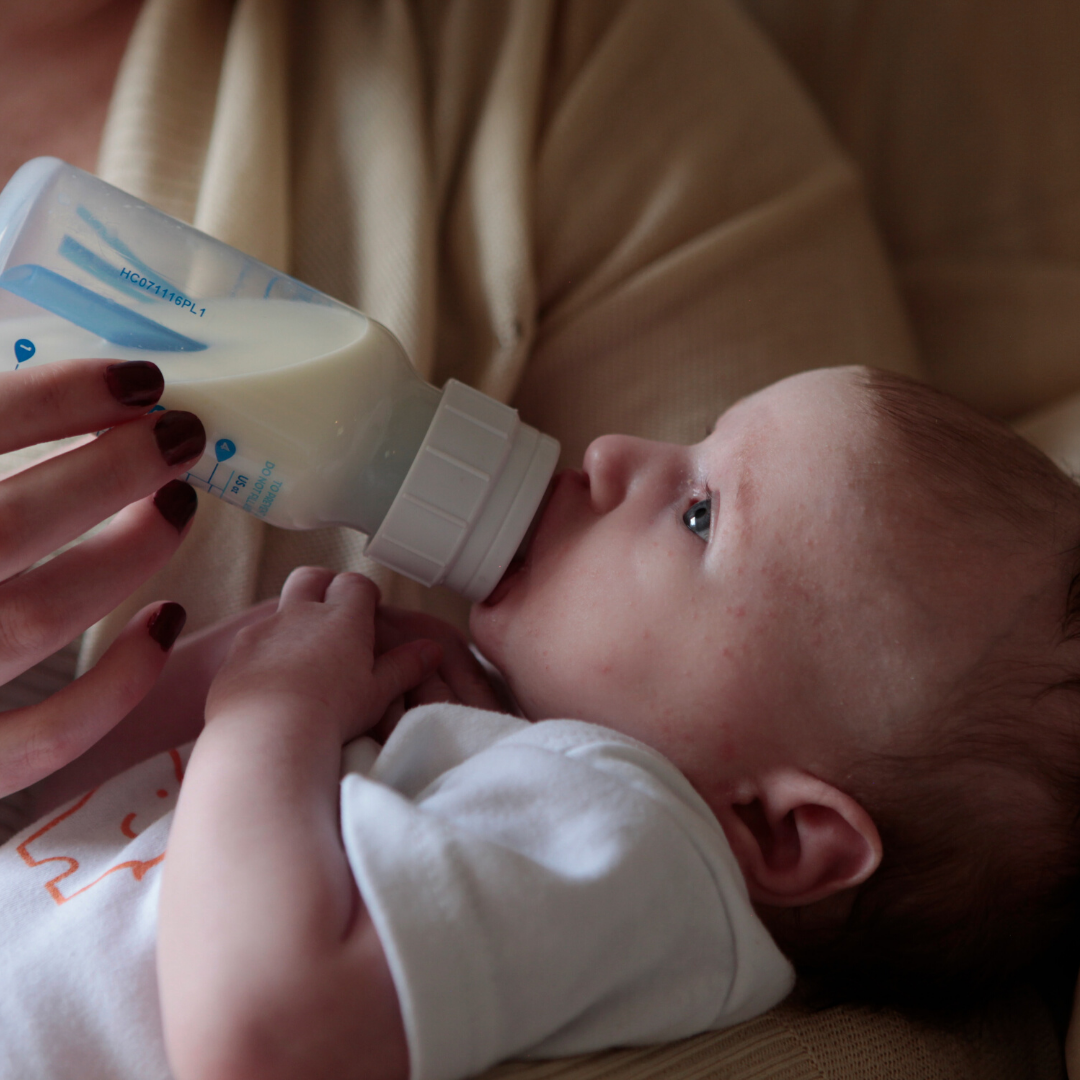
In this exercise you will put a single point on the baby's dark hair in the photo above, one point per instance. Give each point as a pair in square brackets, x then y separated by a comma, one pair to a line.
[980, 822]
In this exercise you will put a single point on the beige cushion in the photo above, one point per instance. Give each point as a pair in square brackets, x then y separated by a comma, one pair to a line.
[1009, 1040]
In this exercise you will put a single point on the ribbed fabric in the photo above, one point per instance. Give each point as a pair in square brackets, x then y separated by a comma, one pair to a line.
[615, 219]
[1011, 1038]
[964, 118]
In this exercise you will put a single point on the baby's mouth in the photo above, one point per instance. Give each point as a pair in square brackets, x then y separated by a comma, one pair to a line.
[521, 556]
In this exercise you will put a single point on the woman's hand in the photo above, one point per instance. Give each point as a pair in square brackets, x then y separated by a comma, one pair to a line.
[171, 714]
[55, 501]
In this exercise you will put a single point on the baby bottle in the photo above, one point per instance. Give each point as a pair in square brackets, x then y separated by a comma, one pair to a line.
[313, 413]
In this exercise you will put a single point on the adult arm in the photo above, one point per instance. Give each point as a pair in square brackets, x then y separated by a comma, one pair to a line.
[129, 471]
[269, 965]
[170, 715]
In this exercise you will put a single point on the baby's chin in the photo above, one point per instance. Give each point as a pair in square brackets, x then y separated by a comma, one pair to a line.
[489, 617]
[483, 628]
[497, 649]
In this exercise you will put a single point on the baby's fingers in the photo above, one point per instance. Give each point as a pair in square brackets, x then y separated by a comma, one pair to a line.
[306, 584]
[462, 678]
[39, 739]
[399, 671]
[432, 690]
[386, 723]
[427, 692]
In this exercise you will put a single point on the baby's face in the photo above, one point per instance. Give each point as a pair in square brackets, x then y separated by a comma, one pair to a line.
[732, 603]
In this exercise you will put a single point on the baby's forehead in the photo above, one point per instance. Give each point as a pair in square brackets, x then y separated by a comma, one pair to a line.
[818, 423]
[900, 483]
[928, 468]
[823, 397]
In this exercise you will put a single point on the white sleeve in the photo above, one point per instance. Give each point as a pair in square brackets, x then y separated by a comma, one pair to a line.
[563, 889]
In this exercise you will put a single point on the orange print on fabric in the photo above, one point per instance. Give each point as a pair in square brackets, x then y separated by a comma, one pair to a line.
[70, 864]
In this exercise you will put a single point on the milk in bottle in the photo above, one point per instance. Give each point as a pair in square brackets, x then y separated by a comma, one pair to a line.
[313, 414]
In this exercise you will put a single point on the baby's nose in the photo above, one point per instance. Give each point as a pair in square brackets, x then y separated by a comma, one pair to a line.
[610, 464]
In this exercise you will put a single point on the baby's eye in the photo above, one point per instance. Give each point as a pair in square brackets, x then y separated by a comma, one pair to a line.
[698, 519]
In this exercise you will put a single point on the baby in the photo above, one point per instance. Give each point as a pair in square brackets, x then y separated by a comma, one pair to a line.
[821, 668]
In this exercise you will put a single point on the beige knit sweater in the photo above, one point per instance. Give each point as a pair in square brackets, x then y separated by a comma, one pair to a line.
[617, 220]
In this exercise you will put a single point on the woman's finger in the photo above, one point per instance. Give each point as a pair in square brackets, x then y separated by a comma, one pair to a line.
[72, 397]
[51, 503]
[38, 740]
[170, 715]
[45, 608]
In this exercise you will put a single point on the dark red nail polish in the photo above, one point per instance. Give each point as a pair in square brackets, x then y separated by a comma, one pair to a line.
[180, 436]
[176, 502]
[136, 382]
[166, 623]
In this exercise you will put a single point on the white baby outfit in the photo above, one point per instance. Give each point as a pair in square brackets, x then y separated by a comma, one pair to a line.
[539, 889]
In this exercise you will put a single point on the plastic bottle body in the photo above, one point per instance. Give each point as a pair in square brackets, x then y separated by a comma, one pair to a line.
[327, 441]
[313, 412]
[300, 441]
[314, 415]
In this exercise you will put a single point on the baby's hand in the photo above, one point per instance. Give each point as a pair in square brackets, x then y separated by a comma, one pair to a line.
[459, 677]
[313, 661]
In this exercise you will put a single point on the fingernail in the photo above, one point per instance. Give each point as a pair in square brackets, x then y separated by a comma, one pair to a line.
[176, 501]
[166, 623]
[180, 436]
[135, 382]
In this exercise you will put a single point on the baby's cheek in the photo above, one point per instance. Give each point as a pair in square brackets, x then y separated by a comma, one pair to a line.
[620, 675]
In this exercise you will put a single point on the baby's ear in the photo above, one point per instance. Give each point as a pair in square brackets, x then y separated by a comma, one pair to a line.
[798, 839]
